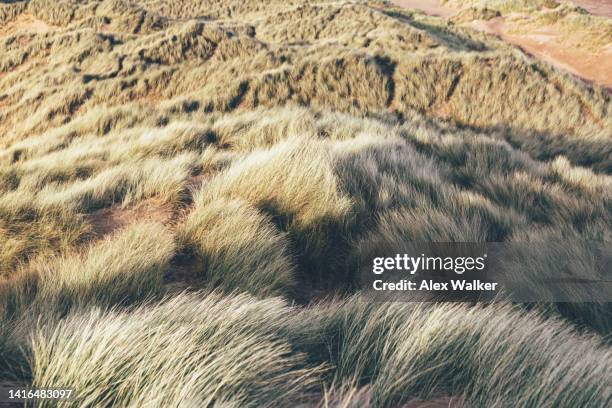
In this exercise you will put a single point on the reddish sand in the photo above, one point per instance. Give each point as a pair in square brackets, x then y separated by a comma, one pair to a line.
[547, 44]
[25, 23]
[597, 7]
[431, 7]
[544, 42]
[436, 8]
[108, 220]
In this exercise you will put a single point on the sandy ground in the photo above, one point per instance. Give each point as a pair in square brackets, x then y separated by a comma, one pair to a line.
[597, 7]
[431, 7]
[108, 220]
[25, 23]
[545, 43]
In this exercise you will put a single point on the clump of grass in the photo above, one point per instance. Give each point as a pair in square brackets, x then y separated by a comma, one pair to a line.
[295, 184]
[386, 173]
[475, 13]
[47, 193]
[386, 178]
[428, 225]
[27, 231]
[527, 190]
[235, 349]
[124, 183]
[238, 247]
[10, 10]
[126, 267]
[492, 356]
[189, 350]
[254, 130]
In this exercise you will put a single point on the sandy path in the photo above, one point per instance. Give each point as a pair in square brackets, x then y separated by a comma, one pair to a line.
[545, 42]
[597, 7]
[436, 8]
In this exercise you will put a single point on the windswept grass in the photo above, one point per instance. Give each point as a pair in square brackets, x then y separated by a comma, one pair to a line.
[231, 354]
[237, 350]
[493, 356]
[285, 140]
[238, 247]
[124, 268]
[305, 199]
[123, 184]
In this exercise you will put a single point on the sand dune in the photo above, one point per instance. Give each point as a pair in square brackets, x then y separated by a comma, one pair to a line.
[545, 42]
[188, 187]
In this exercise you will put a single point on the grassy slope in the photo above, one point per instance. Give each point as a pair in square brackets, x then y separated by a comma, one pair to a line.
[284, 137]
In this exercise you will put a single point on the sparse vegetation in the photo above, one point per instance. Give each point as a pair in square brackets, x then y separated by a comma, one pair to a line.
[284, 139]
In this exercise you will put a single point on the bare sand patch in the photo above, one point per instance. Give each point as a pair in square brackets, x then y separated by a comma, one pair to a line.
[25, 23]
[431, 7]
[544, 42]
[596, 7]
[108, 220]
[548, 44]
